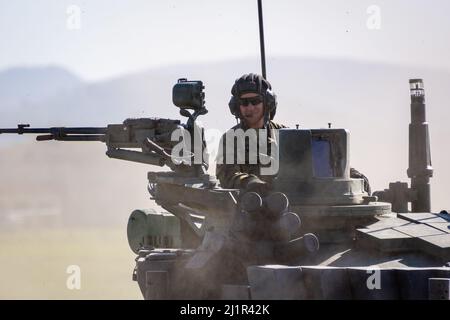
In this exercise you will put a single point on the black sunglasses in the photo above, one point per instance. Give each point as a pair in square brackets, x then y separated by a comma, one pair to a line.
[253, 100]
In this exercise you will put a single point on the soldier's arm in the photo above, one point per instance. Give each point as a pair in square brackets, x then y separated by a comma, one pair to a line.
[231, 176]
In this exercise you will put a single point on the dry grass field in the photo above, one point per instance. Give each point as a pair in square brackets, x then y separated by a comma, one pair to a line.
[33, 264]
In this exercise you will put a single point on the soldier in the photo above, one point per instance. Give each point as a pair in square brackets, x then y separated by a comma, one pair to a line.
[254, 104]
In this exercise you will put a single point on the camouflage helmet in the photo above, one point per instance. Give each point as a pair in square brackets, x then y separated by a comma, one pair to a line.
[253, 83]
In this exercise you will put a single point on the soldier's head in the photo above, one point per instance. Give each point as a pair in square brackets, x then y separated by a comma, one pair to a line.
[251, 109]
[252, 100]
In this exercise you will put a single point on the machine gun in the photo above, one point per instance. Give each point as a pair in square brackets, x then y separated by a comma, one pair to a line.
[157, 140]
[152, 135]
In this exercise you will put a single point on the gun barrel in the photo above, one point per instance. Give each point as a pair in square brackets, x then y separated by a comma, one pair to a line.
[72, 137]
[69, 130]
[61, 133]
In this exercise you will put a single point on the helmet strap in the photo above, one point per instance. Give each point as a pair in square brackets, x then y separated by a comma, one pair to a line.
[266, 111]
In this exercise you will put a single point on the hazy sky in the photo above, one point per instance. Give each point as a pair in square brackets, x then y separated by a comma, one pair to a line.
[111, 37]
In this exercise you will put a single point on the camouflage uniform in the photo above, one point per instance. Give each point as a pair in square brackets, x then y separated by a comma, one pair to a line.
[236, 176]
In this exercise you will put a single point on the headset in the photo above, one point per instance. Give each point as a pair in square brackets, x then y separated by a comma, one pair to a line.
[256, 84]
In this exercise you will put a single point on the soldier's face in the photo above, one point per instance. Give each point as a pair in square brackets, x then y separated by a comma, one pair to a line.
[252, 114]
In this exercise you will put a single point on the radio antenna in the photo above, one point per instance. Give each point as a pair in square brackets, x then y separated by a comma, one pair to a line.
[261, 39]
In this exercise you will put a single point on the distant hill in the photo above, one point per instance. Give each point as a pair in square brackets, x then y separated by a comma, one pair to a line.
[311, 92]
[35, 83]
[369, 99]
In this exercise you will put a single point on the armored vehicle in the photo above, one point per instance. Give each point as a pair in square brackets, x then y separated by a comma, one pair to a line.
[371, 246]
[316, 235]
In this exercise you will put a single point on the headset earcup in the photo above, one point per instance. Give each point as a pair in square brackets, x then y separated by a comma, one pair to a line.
[271, 100]
[233, 106]
[272, 114]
